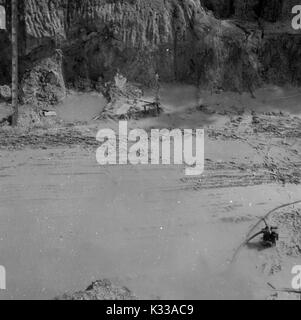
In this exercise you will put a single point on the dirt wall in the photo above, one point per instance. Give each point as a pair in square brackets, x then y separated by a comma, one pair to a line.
[183, 40]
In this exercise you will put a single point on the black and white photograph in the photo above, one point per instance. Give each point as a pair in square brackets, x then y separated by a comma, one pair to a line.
[150, 150]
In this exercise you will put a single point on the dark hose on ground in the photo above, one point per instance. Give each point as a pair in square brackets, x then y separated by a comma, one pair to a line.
[249, 237]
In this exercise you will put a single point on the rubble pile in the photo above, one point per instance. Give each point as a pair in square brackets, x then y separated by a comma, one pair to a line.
[126, 101]
[101, 290]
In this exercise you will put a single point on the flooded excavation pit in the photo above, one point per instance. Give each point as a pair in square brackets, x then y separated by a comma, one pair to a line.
[141, 145]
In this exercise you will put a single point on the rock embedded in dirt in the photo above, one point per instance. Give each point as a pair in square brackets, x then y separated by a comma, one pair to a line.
[5, 93]
[44, 83]
[183, 40]
[101, 290]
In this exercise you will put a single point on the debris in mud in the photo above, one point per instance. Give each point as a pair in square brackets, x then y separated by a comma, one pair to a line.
[6, 112]
[206, 109]
[284, 293]
[47, 113]
[289, 246]
[270, 236]
[7, 121]
[290, 224]
[43, 84]
[126, 101]
[272, 262]
[101, 290]
[285, 173]
[278, 124]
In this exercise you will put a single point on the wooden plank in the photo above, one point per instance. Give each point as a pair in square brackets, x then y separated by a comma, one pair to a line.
[15, 80]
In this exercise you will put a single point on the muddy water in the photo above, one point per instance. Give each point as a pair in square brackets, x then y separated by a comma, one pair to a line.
[178, 97]
[270, 98]
[81, 106]
[66, 221]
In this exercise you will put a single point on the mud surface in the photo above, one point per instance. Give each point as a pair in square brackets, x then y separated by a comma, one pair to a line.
[67, 222]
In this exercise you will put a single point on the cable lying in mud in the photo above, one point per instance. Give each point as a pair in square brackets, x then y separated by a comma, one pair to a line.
[263, 219]
[286, 290]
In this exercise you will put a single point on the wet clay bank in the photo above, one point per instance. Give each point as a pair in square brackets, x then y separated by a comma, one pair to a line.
[229, 45]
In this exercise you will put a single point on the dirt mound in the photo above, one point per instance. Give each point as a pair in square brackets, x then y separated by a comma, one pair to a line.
[101, 290]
